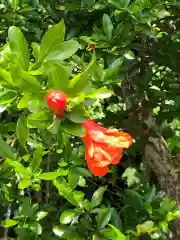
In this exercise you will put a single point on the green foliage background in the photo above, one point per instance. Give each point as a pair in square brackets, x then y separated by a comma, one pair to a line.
[46, 190]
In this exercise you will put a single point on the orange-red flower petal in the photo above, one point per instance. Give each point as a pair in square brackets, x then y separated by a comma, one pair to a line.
[103, 147]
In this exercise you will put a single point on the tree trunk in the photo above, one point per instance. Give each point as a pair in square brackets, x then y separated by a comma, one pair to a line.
[159, 159]
[156, 155]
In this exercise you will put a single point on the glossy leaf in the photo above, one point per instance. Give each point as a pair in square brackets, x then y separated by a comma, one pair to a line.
[52, 175]
[20, 169]
[36, 51]
[25, 81]
[35, 227]
[58, 78]
[19, 46]
[79, 197]
[73, 177]
[5, 78]
[6, 98]
[119, 3]
[39, 120]
[73, 128]
[83, 172]
[5, 150]
[107, 26]
[97, 197]
[54, 128]
[24, 183]
[41, 215]
[65, 232]
[23, 103]
[52, 38]
[67, 216]
[37, 158]
[115, 218]
[77, 114]
[81, 81]
[100, 93]
[77, 100]
[103, 218]
[65, 191]
[22, 130]
[36, 103]
[9, 223]
[63, 51]
[146, 227]
[119, 235]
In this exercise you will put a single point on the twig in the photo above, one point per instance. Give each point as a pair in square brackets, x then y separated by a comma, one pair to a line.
[47, 182]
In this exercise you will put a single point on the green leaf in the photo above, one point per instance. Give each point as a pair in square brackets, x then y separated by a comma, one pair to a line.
[14, 3]
[120, 236]
[37, 158]
[36, 51]
[22, 130]
[65, 191]
[24, 183]
[39, 120]
[5, 78]
[107, 26]
[6, 98]
[25, 81]
[27, 209]
[73, 177]
[99, 93]
[58, 77]
[131, 175]
[129, 55]
[63, 51]
[115, 219]
[112, 69]
[77, 114]
[81, 81]
[65, 232]
[52, 38]
[175, 214]
[36, 103]
[54, 128]
[109, 234]
[52, 175]
[83, 172]
[20, 169]
[119, 3]
[18, 46]
[41, 215]
[146, 227]
[35, 227]
[9, 223]
[79, 197]
[67, 216]
[5, 150]
[77, 100]
[103, 218]
[73, 128]
[23, 103]
[97, 197]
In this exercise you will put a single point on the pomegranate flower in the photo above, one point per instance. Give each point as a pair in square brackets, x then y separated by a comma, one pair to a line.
[103, 146]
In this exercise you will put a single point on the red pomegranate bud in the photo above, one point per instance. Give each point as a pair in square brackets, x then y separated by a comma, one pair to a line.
[146, 132]
[59, 114]
[56, 100]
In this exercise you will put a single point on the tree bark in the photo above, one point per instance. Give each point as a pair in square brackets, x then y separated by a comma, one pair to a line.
[156, 155]
[159, 159]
